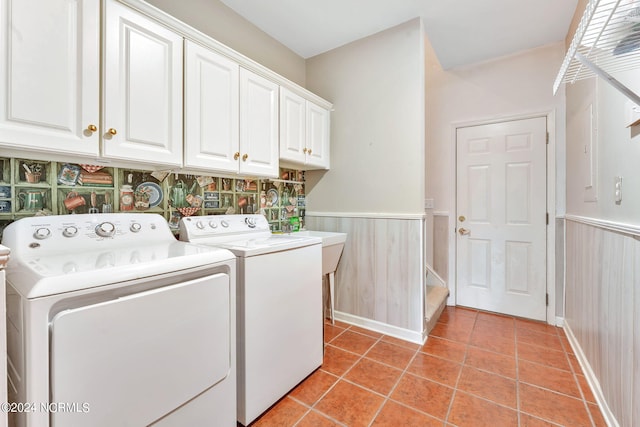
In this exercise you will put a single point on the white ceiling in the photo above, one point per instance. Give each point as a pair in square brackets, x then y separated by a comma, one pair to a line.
[460, 31]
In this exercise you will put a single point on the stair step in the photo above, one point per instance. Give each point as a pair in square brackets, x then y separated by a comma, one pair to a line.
[436, 302]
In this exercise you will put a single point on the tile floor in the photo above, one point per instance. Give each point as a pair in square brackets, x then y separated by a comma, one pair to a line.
[476, 369]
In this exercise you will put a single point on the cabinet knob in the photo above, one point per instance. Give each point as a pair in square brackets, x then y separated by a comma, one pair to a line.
[112, 131]
[309, 151]
[245, 157]
[92, 128]
[305, 150]
[236, 156]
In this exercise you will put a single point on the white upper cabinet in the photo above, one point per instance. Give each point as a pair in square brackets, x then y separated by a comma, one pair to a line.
[318, 155]
[304, 132]
[211, 110]
[293, 118]
[258, 125]
[142, 81]
[49, 75]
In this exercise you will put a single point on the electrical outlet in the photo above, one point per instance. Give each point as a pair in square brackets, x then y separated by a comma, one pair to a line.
[618, 189]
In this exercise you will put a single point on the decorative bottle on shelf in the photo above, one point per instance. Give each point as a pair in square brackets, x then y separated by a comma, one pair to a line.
[263, 199]
[126, 198]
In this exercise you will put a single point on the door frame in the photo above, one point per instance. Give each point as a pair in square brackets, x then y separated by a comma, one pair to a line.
[550, 116]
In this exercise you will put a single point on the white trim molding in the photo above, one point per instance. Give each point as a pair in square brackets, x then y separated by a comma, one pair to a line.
[594, 384]
[383, 328]
[367, 215]
[619, 227]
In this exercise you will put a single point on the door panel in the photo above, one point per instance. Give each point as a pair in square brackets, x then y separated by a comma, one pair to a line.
[501, 212]
[134, 359]
[142, 88]
[49, 75]
[211, 110]
[258, 125]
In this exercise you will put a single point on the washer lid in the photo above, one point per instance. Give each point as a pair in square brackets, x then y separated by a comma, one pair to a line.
[38, 276]
[273, 243]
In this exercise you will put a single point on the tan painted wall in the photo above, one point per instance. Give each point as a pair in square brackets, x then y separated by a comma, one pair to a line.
[377, 126]
[214, 18]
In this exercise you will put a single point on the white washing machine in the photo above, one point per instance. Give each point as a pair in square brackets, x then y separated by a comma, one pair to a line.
[113, 322]
[279, 305]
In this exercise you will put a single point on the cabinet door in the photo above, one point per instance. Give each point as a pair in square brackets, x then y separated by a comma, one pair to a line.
[317, 136]
[211, 137]
[258, 125]
[142, 89]
[49, 75]
[292, 126]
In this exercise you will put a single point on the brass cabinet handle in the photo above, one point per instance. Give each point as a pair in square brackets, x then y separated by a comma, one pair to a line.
[236, 156]
[245, 157]
[309, 151]
[305, 150]
[463, 231]
[112, 131]
[92, 128]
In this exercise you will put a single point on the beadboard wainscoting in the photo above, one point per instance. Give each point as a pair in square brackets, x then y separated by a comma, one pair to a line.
[380, 281]
[602, 312]
[441, 244]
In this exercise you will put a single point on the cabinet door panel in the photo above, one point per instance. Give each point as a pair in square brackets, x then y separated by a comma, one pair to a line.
[211, 110]
[292, 126]
[317, 136]
[49, 75]
[258, 125]
[142, 89]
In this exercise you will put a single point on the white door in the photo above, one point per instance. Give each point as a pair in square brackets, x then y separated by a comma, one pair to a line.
[317, 136]
[211, 110]
[501, 217]
[49, 75]
[258, 125]
[142, 89]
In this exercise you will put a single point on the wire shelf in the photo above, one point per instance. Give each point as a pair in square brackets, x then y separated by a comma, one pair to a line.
[608, 36]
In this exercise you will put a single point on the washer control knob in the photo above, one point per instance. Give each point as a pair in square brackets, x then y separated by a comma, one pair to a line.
[70, 231]
[106, 229]
[135, 227]
[42, 233]
[224, 223]
[250, 221]
[213, 224]
[200, 225]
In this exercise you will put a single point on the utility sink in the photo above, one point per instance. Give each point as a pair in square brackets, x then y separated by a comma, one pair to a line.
[332, 246]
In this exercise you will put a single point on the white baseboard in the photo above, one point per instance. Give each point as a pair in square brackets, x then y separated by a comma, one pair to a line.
[383, 328]
[594, 384]
[559, 321]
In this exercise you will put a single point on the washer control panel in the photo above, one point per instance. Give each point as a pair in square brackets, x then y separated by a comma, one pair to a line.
[223, 227]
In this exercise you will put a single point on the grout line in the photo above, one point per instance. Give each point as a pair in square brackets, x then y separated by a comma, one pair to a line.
[393, 388]
[464, 359]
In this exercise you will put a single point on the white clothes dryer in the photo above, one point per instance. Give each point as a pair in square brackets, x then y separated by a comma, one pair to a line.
[113, 322]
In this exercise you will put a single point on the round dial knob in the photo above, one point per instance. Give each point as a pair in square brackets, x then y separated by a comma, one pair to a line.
[200, 225]
[70, 231]
[135, 227]
[42, 233]
[250, 221]
[213, 224]
[224, 223]
[106, 229]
